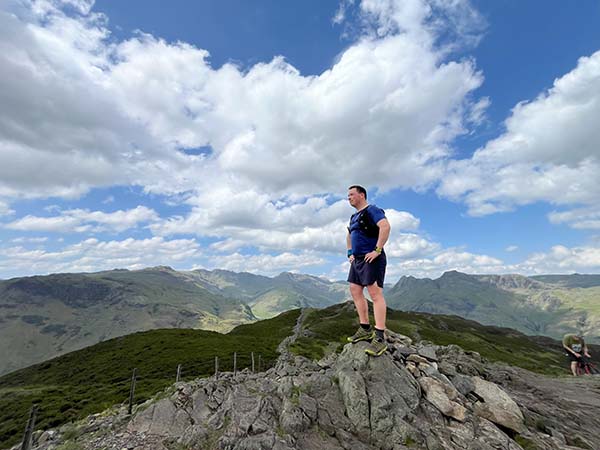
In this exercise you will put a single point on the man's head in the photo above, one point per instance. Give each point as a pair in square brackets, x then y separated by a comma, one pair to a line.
[357, 196]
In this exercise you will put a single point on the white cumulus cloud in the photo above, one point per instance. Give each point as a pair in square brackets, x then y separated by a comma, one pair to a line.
[549, 152]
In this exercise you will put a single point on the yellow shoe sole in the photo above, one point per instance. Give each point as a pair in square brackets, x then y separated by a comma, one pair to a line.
[365, 338]
[379, 353]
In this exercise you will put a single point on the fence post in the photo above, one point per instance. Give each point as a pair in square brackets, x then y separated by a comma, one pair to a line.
[29, 428]
[178, 373]
[252, 362]
[216, 366]
[132, 391]
[234, 363]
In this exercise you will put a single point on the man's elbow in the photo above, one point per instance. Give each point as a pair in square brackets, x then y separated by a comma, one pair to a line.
[385, 228]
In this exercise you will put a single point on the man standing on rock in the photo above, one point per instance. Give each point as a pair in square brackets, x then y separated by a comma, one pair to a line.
[367, 234]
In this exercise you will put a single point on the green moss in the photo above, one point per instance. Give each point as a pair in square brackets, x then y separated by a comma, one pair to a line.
[409, 442]
[69, 445]
[295, 395]
[526, 444]
[71, 432]
[578, 442]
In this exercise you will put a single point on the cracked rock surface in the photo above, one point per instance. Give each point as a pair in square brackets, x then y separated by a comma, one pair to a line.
[417, 396]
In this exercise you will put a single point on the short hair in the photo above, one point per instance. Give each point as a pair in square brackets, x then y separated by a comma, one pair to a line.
[360, 189]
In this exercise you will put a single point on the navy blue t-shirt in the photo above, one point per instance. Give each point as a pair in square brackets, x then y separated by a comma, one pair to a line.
[361, 243]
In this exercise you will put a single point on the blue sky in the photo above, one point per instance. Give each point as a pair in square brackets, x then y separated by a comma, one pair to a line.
[224, 134]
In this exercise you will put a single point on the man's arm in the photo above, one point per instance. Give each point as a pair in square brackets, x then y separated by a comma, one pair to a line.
[569, 349]
[384, 232]
[349, 246]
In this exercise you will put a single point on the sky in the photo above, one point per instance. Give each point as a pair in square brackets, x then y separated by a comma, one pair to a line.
[224, 134]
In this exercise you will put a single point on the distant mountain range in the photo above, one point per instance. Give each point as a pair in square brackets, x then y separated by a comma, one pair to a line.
[46, 316]
[269, 297]
[549, 305]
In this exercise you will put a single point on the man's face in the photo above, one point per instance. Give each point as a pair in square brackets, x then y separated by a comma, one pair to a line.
[354, 197]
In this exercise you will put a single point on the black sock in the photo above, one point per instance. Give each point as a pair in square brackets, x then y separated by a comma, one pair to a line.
[379, 334]
[365, 326]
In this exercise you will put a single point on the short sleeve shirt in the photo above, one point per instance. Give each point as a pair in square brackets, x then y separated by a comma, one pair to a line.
[575, 345]
[361, 243]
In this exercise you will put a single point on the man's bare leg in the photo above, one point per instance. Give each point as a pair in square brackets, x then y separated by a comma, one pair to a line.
[379, 306]
[360, 302]
[574, 368]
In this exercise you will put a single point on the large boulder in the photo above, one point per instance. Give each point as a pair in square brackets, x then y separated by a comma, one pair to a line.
[378, 394]
[442, 396]
[497, 406]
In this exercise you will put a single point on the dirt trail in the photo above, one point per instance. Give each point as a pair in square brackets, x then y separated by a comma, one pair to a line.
[283, 348]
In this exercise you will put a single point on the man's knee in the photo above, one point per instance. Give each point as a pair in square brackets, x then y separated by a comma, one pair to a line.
[356, 289]
[375, 292]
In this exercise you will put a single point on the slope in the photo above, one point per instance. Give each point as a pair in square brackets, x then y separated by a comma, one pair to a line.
[45, 316]
[90, 380]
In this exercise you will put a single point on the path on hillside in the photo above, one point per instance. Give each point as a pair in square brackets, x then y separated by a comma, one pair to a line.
[283, 348]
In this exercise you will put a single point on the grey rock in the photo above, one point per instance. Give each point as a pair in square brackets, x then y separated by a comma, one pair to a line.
[428, 369]
[497, 406]
[416, 358]
[447, 368]
[463, 384]
[46, 437]
[162, 418]
[404, 351]
[413, 369]
[428, 352]
[442, 396]
[490, 436]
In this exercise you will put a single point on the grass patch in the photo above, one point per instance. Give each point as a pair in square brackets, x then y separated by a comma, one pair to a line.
[526, 444]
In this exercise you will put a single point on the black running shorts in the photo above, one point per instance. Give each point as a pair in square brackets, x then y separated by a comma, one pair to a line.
[365, 274]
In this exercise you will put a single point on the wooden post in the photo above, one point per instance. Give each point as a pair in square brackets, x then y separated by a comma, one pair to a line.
[216, 366]
[178, 373]
[252, 362]
[29, 429]
[259, 359]
[234, 363]
[132, 391]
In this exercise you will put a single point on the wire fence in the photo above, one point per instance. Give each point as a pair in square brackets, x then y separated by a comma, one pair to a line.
[251, 363]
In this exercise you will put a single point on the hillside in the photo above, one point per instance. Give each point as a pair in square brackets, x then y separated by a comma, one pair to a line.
[545, 305]
[90, 380]
[45, 316]
[422, 394]
[94, 378]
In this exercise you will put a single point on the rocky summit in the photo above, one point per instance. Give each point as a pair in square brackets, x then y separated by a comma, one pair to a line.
[415, 396]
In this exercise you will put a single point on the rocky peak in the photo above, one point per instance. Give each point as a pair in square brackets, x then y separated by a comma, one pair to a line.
[511, 281]
[161, 269]
[417, 395]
